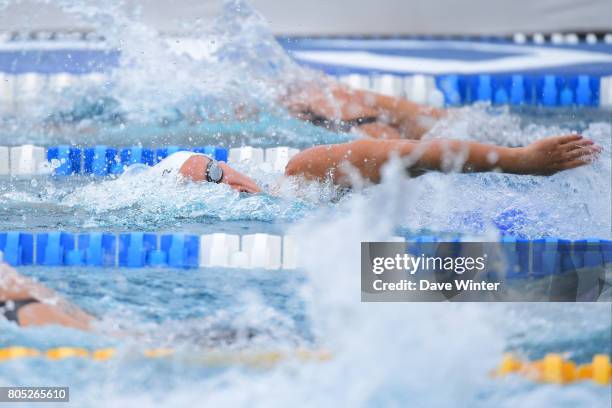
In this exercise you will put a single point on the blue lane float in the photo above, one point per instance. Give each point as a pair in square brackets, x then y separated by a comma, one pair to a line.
[584, 91]
[550, 256]
[452, 88]
[17, 248]
[523, 259]
[518, 89]
[501, 91]
[98, 160]
[137, 155]
[161, 154]
[484, 88]
[98, 248]
[134, 249]
[65, 160]
[516, 251]
[218, 153]
[52, 247]
[518, 93]
[182, 250]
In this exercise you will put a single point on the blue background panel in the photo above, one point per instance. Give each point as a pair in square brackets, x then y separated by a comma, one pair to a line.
[17, 248]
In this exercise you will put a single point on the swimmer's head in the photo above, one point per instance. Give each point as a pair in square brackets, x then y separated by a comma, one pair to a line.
[203, 168]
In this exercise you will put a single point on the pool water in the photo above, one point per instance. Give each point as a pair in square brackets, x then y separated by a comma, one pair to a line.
[383, 354]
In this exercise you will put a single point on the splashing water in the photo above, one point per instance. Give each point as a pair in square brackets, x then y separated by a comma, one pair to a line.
[572, 204]
[384, 354]
[240, 73]
[428, 354]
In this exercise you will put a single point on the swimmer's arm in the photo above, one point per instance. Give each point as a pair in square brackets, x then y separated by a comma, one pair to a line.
[369, 156]
[411, 119]
[399, 109]
[52, 309]
[401, 117]
[546, 156]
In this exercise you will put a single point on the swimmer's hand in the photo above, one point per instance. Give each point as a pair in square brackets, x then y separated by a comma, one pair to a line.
[557, 153]
[238, 181]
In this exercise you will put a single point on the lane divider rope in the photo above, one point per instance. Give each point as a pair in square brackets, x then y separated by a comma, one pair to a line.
[497, 89]
[28, 160]
[453, 89]
[523, 258]
[553, 368]
[208, 358]
[22, 77]
[92, 37]
[139, 249]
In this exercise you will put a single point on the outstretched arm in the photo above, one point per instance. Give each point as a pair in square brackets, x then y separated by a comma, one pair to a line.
[50, 308]
[546, 156]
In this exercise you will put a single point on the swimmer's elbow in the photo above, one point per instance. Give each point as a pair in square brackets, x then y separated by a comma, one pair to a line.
[310, 164]
[293, 168]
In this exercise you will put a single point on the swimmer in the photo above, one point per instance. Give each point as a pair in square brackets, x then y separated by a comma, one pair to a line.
[339, 162]
[28, 303]
[393, 127]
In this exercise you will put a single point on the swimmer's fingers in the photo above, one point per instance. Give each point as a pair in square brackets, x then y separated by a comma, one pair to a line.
[584, 152]
[242, 184]
[579, 144]
[569, 138]
[249, 188]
